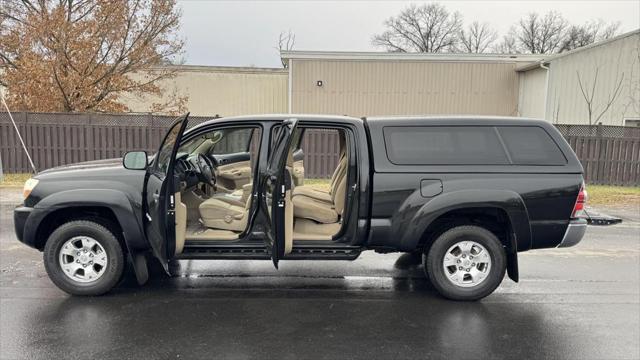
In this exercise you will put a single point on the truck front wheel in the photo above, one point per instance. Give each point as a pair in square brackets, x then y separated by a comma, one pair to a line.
[83, 258]
[466, 263]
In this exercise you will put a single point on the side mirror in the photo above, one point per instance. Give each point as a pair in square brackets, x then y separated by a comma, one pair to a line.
[135, 160]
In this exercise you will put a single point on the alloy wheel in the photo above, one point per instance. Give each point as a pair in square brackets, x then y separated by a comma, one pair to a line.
[83, 259]
[467, 264]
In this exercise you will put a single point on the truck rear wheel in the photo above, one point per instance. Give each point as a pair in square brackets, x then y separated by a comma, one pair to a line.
[466, 263]
[83, 258]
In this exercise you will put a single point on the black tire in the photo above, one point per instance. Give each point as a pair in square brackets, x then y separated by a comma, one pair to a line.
[433, 263]
[115, 258]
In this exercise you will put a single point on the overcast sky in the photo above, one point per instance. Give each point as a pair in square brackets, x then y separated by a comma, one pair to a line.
[245, 33]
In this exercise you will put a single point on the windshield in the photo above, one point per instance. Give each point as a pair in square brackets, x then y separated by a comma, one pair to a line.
[201, 143]
[191, 145]
[218, 142]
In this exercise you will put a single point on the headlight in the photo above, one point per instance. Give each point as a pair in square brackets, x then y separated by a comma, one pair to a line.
[29, 185]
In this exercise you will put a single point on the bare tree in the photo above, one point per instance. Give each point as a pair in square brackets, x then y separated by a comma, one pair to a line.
[477, 38]
[286, 42]
[541, 35]
[581, 35]
[508, 44]
[429, 28]
[592, 109]
[81, 55]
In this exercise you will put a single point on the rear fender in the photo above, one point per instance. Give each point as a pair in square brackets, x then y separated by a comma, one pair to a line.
[509, 201]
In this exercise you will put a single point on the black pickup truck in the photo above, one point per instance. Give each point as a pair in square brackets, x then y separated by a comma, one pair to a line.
[466, 194]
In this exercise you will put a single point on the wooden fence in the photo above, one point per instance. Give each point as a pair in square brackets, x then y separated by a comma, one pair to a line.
[609, 154]
[55, 139]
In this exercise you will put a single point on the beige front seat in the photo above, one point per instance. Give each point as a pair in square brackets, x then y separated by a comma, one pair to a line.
[237, 198]
[219, 214]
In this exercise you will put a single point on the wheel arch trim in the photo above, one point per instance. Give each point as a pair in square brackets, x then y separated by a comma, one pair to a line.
[116, 201]
[508, 201]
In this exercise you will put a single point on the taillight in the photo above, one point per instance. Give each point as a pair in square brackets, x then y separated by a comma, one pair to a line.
[581, 201]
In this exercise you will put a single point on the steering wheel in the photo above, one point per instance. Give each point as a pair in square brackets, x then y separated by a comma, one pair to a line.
[206, 169]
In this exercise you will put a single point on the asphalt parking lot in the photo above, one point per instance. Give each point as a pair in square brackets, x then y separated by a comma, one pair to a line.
[575, 303]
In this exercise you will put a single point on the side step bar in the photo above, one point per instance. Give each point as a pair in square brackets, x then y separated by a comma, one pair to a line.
[258, 252]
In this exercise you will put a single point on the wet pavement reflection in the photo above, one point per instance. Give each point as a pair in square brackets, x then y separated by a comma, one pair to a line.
[576, 303]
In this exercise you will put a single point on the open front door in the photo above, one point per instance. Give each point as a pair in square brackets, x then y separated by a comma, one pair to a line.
[158, 195]
[276, 194]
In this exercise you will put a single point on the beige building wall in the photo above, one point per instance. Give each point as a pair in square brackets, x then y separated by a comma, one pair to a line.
[611, 61]
[224, 91]
[532, 93]
[388, 87]
[368, 84]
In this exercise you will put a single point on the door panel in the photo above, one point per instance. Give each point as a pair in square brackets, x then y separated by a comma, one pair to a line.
[159, 196]
[288, 219]
[233, 176]
[224, 159]
[233, 170]
[276, 184]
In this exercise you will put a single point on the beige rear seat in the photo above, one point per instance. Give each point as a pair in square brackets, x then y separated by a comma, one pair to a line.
[322, 211]
[326, 196]
[305, 229]
[323, 195]
[318, 213]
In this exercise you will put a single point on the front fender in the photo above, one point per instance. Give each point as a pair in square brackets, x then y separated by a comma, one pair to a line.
[506, 200]
[126, 211]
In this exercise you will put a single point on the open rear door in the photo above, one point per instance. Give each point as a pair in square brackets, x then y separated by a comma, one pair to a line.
[276, 196]
[158, 196]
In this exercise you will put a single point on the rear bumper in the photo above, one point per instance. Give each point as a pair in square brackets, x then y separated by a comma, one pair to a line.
[574, 233]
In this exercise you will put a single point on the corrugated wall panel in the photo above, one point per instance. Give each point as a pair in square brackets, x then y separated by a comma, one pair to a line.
[230, 92]
[366, 88]
[532, 93]
[612, 61]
